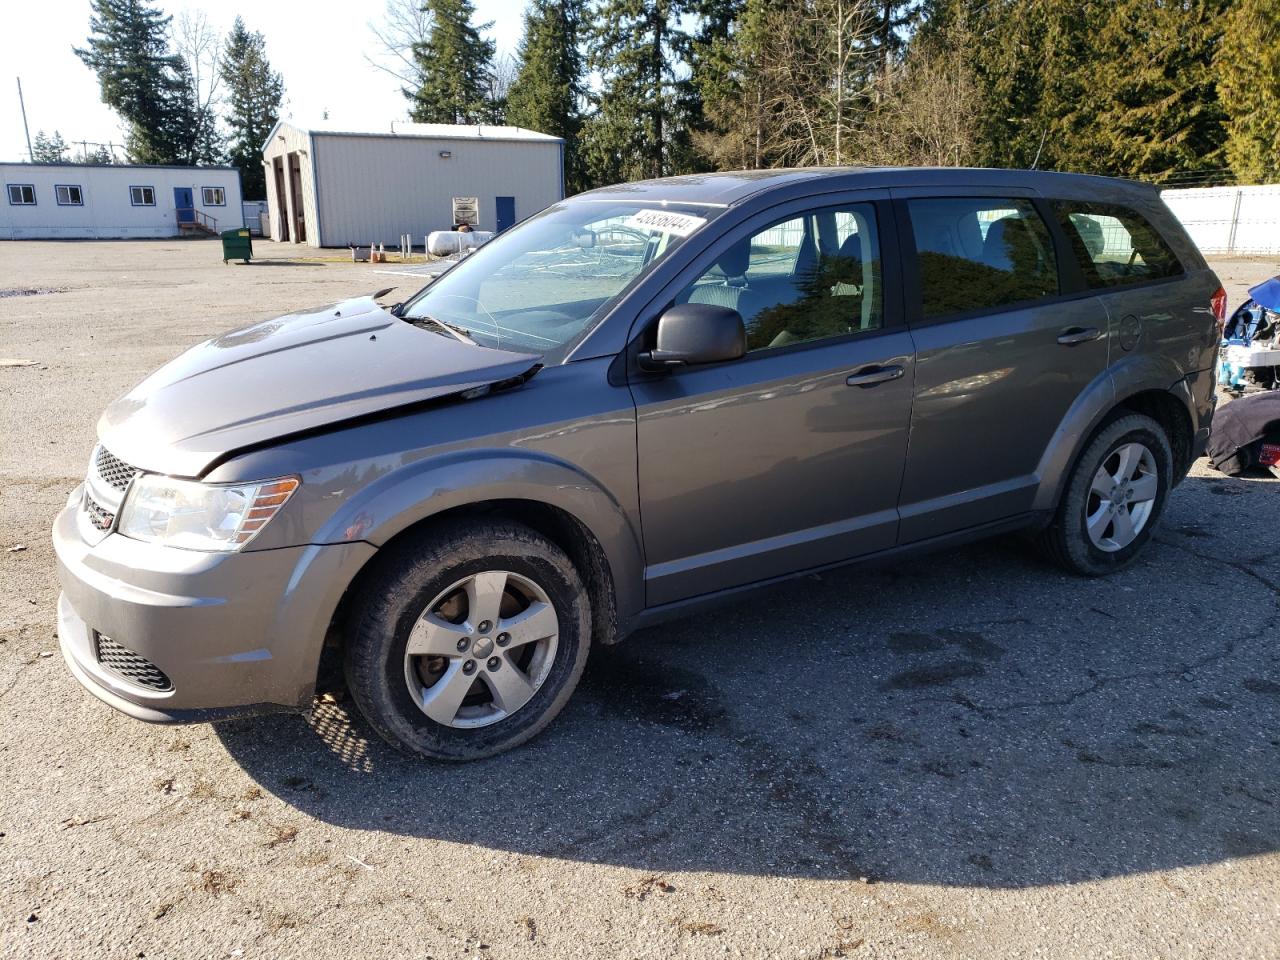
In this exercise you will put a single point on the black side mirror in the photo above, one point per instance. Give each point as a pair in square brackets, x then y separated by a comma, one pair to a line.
[691, 333]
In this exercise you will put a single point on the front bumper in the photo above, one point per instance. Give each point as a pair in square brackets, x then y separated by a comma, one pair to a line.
[235, 633]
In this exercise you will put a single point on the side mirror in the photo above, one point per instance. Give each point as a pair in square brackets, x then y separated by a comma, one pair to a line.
[691, 333]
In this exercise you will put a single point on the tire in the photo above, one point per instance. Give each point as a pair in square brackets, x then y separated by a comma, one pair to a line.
[1106, 547]
[434, 592]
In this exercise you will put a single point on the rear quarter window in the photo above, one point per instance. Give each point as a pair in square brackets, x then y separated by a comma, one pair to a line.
[1115, 246]
[980, 254]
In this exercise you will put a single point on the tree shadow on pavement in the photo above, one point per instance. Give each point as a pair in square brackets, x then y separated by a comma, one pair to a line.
[972, 718]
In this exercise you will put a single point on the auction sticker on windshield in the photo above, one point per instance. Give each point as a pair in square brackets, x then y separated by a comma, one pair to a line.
[664, 221]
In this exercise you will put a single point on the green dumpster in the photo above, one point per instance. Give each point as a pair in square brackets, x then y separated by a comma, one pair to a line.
[237, 245]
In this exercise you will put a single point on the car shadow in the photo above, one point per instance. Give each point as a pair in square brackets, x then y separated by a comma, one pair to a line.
[972, 718]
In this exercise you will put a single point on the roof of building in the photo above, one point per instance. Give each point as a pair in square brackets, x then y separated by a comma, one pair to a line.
[110, 166]
[421, 131]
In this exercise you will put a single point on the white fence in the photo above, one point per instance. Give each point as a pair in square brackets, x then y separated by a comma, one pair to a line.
[1243, 221]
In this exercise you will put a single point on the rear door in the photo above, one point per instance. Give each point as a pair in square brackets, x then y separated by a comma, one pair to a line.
[1155, 306]
[1005, 344]
[790, 457]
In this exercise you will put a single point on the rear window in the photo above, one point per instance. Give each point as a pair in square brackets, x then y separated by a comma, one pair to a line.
[981, 254]
[1116, 246]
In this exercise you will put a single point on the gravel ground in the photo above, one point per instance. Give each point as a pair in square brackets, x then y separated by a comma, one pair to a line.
[968, 755]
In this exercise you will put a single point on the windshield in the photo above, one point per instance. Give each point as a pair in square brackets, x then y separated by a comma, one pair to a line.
[540, 287]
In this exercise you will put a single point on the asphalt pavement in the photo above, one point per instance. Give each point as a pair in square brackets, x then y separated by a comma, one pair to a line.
[970, 754]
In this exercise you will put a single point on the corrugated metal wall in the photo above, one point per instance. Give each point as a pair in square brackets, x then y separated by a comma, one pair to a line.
[1243, 221]
[107, 211]
[373, 189]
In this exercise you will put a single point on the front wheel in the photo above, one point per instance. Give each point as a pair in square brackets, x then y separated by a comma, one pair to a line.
[1113, 499]
[467, 642]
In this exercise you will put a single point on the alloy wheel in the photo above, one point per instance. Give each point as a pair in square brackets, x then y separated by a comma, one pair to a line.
[481, 649]
[1121, 497]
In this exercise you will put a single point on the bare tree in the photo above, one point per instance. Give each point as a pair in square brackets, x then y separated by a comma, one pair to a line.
[928, 112]
[819, 67]
[405, 24]
[201, 46]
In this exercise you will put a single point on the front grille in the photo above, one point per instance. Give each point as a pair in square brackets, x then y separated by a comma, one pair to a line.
[114, 471]
[99, 516]
[133, 667]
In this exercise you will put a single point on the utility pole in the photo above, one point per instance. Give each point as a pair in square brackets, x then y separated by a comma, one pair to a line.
[23, 103]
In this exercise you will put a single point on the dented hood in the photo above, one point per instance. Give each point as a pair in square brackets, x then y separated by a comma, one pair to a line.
[295, 373]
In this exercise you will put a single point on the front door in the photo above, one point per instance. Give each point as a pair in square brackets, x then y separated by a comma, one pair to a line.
[184, 202]
[506, 212]
[1002, 353]
[790, 457]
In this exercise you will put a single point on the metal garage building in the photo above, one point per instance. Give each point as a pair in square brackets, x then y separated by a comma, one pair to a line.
[333, 187]
[96, 201]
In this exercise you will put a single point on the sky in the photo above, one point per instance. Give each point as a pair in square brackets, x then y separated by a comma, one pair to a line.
[318, 45]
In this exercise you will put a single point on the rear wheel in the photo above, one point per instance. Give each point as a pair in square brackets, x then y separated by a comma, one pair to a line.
[469, 642]
[1113, 499]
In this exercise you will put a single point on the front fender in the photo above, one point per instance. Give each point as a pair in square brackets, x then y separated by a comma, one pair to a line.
[426, 488]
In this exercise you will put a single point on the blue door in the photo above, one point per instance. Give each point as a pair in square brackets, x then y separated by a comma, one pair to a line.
[185, 202]
[506, 212]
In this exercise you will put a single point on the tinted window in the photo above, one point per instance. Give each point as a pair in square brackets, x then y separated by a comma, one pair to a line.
[1115, 245]
[978, 254]
[809, 277]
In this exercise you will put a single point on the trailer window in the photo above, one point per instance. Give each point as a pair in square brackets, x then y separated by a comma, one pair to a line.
[22, 194]
[69, 195]
[142, 196]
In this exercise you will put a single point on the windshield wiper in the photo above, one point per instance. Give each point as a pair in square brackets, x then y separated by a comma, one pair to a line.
[458, 333]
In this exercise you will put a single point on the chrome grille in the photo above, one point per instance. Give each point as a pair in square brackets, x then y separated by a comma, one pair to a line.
[99, 516]
[113, 471]
[133, 667]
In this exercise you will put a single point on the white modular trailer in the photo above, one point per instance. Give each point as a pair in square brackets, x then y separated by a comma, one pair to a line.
[53, 201]
[330, 187]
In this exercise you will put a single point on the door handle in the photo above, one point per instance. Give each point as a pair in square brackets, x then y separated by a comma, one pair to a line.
[1073, 335]
[870, 376]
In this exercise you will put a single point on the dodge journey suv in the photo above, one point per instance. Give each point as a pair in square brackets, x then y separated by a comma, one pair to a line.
[646, 398]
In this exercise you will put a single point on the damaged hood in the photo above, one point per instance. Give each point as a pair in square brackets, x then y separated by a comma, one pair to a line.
[295, 373]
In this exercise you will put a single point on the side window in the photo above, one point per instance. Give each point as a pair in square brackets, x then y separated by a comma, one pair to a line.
[142, 196]
[22, 194]
[1115, 246]
[214, 197]
[805, 278]
[69, 195]
[979, 254]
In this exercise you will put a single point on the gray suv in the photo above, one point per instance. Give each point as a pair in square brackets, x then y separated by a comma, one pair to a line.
[646, 398]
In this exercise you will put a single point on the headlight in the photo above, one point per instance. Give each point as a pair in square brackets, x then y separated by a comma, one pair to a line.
[200, 516]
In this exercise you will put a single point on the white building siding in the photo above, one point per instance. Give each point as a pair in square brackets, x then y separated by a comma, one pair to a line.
[360, 188]
[107, 211]
[376, 188]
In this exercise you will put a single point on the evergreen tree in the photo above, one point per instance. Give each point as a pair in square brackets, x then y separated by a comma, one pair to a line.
[892, 18]
[1154, 102]
[456, 63]
[727, 70]
[254, 95]
[549, 88]
[1248, 66]
[49, 149]
[194, 128]
[140, 78]
[640, 128]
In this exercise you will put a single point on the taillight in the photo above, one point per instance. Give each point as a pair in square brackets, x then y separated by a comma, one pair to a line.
[1219, 304]
[1269, 455]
